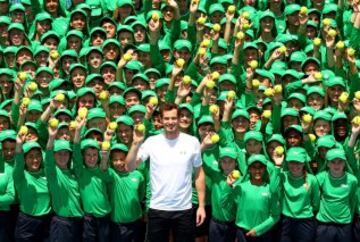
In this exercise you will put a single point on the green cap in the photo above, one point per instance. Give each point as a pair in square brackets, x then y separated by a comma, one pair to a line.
[253, 135]
[180, 44]
[62, 145]
[240, 113]
[85, 90]
[289, 112]
[277, 138]
[96, 113]
[125, 119]
[322, 115]
[119, 146]
[335, 154]
[137, 108]
[227, 77]
[339, 115]
[294, 127]
[161, 82]
[295, 154]
[326, 141]
[187, 106]
[298, 96]
[8, 134]
[315, 89]
[89, 143]
[205, 119]
[291, 9]
[117, 99]
[257, 158]
[30, 145]
[228, 152]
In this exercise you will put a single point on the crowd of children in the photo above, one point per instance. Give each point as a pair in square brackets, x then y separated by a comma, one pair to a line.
[271, 88]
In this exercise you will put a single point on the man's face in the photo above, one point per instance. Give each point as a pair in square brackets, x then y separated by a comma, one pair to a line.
[170, 121]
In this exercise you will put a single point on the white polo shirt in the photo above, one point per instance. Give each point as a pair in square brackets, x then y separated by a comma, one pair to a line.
[171, 168]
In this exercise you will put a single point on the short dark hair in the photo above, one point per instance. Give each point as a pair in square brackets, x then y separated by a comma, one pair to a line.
[167, 107]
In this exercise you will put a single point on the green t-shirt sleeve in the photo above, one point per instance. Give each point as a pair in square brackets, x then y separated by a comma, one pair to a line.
[18, 172]
[272, 219]
[15, 113]
[77, 159]
[8, 197]
[156, 59]
[50, 168]
[315, 196]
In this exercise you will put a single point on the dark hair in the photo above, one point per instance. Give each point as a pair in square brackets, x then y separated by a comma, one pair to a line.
[168, 107]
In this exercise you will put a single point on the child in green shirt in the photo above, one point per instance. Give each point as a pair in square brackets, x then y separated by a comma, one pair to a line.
[338, 199]
[257, 207]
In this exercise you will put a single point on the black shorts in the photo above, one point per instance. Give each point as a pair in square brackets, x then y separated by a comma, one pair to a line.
[203, 229]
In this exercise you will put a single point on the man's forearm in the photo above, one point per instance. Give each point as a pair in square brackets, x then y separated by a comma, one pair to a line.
[131, 156]
[200, 186]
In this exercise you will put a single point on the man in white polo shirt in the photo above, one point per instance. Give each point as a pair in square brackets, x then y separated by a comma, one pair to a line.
[174, 158]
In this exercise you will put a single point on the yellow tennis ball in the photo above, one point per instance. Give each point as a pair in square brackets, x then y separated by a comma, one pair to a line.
[235, 174]
[356, 120]
[318, 76]
[215, 138]
[240, 35]
[60, 97]
[202, 51]
[54, 54]
[278, 88]
[22, 75]
[231, 9]
[25, 101]
[357, 95]
[282, 49]
[23, 130]
[154, 101]
[105, 145]
[350, 52]
[140, 128]
[73, 125]
[103, 95]
[112, 126]
[245, 15]
[246, 26]
[317, 41]
[210, 84]
[216, 27]
[127, 57]
[279, 150]
[326, 21]
[215, 75]
[205, 43]
[180, 62]
[269, 92]
[307, 118]
[255, 83]
[231, 94]
[186, 80]
[266, 114]
[303, 10]
[213, 108]
[312, 137]
[253, 64]
[201, 20]
[82, 112]
[33, 86]
[332, 32]
[340, 45]
[155, 17]
[53, 123]
[344, 97]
